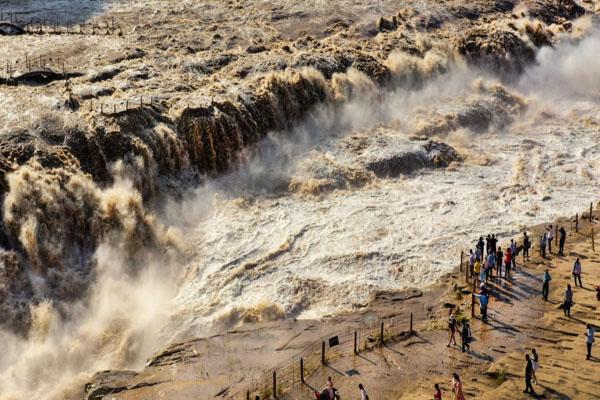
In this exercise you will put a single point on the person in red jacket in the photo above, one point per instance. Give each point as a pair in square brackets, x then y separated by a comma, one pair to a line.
[507, 262]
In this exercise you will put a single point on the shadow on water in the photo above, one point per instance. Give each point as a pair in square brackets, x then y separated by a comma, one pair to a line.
[61, 11]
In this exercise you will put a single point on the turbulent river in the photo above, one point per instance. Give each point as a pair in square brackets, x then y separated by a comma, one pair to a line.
[320, 216]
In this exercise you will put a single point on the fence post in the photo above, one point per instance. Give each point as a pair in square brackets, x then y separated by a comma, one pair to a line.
[462, 256]
[381, 333]
[411, 322]
[323, 353]
[577, 223]
[247, 395]
[593, 247]
[301, 370]
[274, 384]
[467, 267]
[355, 342]
[473, 298]
[591, 203]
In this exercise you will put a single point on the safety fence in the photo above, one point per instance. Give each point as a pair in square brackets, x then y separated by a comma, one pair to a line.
[292, 378]
[61, 25]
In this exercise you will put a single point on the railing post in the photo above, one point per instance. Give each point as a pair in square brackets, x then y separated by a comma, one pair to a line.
[577, 223]
[411, 322]
[355, 342]
[591, 203]
[301, 370]
[462, 256]
[274, 384]
[473, 298]
[381, 333]
[247, 395]
[593, 247]
[323, 353]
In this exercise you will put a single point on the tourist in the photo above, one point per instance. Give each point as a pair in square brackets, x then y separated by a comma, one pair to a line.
[483, 303]
[493, 243]
[549, 237]
[543, 240]
[589, 334]
[568, 303]
[457, 387]
[577, 272]
[491, 261]
[513, 253]
[477, 268]
[480, 247]
[330, 389]
[528, 376]
[508, 259]
[561, 241]
[534, 364]
[437, 394]
[488, 241]
[452, 329]
[363, 392]
[499, 258]
[546, 284]
[465, 335]
[526, 246]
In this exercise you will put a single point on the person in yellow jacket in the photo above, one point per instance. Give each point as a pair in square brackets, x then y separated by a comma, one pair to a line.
[477, 267]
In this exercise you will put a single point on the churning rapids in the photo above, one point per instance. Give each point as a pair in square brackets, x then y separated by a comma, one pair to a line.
[372, 189]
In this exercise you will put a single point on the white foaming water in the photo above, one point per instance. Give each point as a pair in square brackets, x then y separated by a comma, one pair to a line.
[320, 255]
[317, 254]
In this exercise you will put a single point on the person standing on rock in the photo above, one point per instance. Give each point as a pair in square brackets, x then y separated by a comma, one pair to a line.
[363, 392]
[534, 364]
[478, 270]
[499, 256]
[483, 303]
[491, 261]
[589, 335]
[508, 259]
[526, 246]
[488, 246]
[437, 394]
[480, 245]
[513, 253]
[550, 237]
[577, 272]
[528, 375]
[568, 301]
[543, 240]
[561, 241]
[465, 335]
[457, 389]
[546, 284]
[452, 329]
[493, 243]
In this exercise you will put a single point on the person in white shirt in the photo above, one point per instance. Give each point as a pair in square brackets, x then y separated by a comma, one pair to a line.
[549, 237]
[589, 334]
[363, 392]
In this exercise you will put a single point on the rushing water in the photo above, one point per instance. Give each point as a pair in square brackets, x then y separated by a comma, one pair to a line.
[305, 228]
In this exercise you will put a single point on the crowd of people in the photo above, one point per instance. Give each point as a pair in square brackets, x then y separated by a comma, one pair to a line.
[487, 261]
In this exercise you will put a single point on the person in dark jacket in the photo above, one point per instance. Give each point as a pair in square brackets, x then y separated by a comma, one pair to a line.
[568, 301]
[526, 246]
[528, 376]
[465, 336]
[561, 241]
[546, 284]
